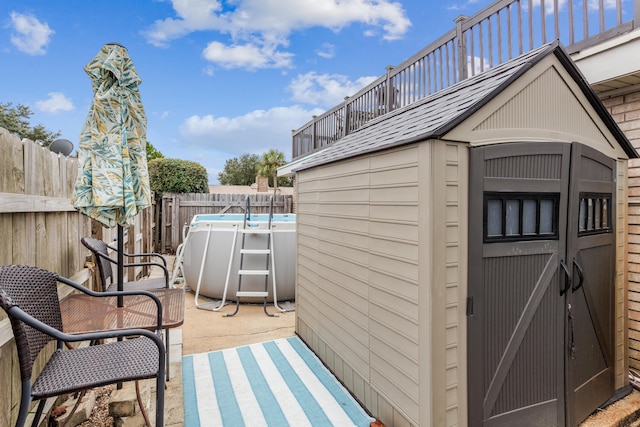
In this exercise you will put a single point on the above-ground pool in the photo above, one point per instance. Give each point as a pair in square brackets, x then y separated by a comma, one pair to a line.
[220, 229]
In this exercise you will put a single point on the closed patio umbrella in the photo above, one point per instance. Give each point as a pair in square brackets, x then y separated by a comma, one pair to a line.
[113, 180]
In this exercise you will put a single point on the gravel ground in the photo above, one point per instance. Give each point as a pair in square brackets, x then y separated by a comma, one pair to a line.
[100, 414]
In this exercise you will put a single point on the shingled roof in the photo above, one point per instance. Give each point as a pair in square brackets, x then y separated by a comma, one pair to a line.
[440, 112]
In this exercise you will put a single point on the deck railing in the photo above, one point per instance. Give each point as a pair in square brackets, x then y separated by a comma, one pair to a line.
[498, 33]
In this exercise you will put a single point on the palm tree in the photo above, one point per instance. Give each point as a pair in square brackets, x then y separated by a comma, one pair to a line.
[269, 164]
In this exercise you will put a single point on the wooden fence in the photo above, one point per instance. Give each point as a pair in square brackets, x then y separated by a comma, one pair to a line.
[40, 227]
[179, 209]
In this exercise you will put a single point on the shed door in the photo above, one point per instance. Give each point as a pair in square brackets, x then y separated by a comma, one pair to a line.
[537, 353]
[590, 303]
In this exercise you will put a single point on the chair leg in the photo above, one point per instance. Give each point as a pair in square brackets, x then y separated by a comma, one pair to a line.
[168, 347]
[160, 384]
[36, 418]
[25, 399]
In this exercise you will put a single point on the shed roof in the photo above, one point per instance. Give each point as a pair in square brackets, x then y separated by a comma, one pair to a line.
[440, 112]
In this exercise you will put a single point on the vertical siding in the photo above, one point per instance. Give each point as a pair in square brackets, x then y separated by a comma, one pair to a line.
[444, 276]
[546, 103]
[456, 283]
[382, 279]
[622, 231]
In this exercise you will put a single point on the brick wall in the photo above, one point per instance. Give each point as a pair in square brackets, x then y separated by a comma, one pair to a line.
[625, 109]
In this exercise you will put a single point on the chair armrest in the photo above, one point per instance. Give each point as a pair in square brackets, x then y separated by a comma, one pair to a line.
[139, 264]
[87, 291]
[156, 264]
[19, 314]
[149, 254]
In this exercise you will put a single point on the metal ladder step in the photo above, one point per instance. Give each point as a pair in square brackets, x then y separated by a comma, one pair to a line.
[255, 251]
[253, 272]
[260, 294]
[255, 231]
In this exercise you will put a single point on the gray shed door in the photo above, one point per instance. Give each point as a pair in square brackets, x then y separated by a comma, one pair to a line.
[541, 271]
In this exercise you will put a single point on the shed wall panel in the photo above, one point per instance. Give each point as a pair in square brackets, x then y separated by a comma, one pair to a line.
[545, 104]
[402, 288]
[529, 109]
[365, 266]
[365, 263]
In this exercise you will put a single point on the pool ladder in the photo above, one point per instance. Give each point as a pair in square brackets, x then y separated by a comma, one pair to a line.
[252, 229]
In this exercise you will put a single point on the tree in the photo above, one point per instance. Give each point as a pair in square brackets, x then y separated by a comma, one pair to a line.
[239, 171]
[269, 164]
[16, 120]
[177, 176]
[153, 153]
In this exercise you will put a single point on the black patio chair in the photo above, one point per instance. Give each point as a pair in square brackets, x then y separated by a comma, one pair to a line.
[109, 283]
[29, 296]
[106, 264]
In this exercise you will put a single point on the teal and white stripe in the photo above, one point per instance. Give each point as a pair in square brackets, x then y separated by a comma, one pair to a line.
[275, 383]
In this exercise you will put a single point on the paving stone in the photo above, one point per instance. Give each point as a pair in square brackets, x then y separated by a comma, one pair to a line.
[124, 402]
[81, 414]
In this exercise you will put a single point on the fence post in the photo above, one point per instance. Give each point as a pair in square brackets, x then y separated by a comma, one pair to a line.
[463, 71]
[175, 223]
[389, 89]
[314, 133]
[347, 119]
[294, 149]
[164, 218]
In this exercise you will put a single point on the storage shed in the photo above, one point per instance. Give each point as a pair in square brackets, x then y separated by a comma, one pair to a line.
[461, 261]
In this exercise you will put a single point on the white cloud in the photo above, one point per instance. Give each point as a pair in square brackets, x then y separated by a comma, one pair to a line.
[326, 90]
[55, 103]
[248, 56]
[284, 16]
[29, 34]
[253, 133]
[262, 27]
[327, 51]
[192, 15]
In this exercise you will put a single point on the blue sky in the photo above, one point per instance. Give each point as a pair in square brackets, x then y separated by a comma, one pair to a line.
[219, 78]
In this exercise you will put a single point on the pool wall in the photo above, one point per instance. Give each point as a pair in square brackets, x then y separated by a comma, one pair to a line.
[222, 228]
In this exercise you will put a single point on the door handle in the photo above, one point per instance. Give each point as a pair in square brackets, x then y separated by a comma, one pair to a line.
[567, 281]
[580, 276]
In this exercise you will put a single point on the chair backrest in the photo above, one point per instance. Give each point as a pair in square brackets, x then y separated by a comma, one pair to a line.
[100, 253]
[35, 291]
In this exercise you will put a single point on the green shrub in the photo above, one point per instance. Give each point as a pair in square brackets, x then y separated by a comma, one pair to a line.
[177, 176]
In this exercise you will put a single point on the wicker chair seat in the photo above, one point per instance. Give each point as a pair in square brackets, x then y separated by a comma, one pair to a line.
[95, 366]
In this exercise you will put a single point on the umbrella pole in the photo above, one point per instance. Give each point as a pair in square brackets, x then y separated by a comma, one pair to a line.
[120, 266]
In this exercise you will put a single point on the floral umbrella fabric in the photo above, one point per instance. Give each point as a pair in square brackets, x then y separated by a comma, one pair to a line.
[113, 179]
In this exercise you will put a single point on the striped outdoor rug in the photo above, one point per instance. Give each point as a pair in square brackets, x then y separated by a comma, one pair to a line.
[275, 383]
